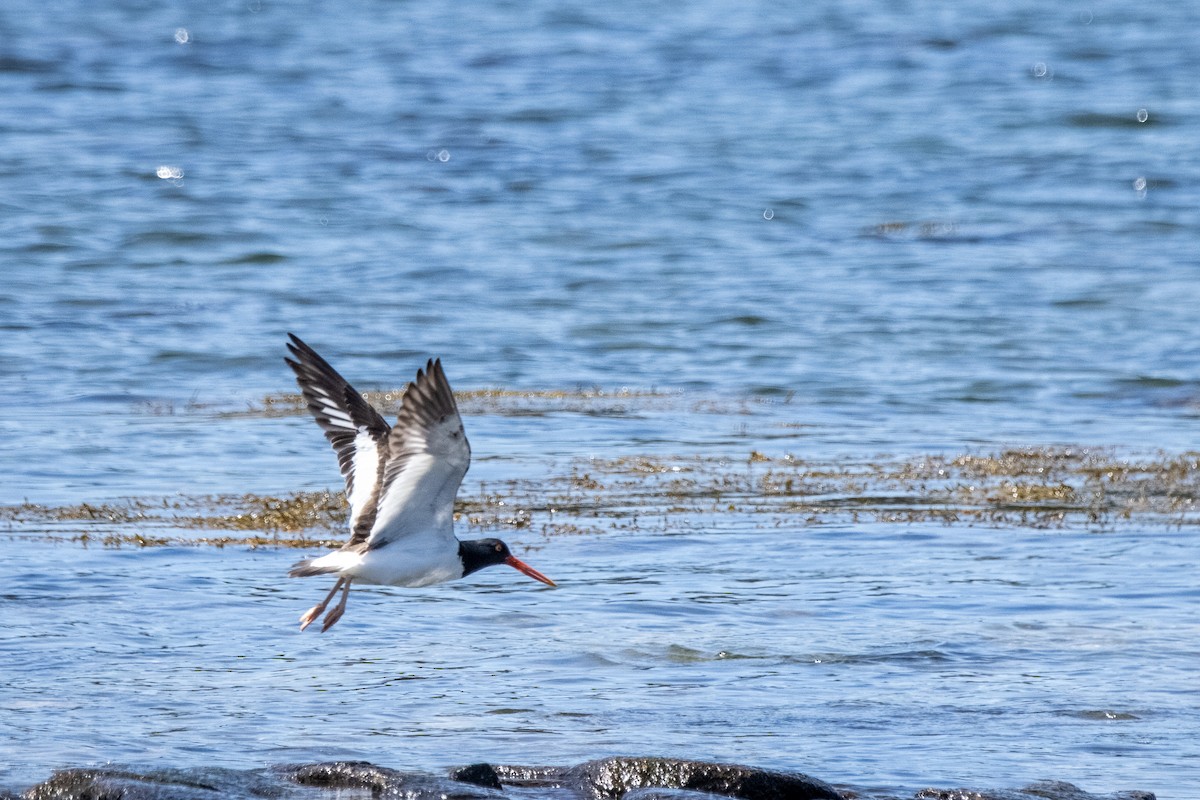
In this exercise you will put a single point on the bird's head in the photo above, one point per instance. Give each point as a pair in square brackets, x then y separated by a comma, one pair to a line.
[479, 553]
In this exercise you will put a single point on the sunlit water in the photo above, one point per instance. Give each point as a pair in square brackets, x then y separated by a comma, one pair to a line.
[909, 230]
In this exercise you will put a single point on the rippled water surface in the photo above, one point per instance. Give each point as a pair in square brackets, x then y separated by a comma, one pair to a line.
[841, 231]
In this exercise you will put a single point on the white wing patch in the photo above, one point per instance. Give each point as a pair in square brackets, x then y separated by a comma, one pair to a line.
[337, 415]
[366, 475]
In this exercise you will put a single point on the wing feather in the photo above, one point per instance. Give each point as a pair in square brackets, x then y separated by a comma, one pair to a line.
[358, 433]
[428, 455]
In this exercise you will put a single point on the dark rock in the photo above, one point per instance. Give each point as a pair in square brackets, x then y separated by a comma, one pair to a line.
[965, 794]
[478, 774]
[531, 776]
[1042, 790]
[341, 775]
[171, 784]
[612, 778]
[385, 782]
[606, 779]
[658, 793]
[1058, 790]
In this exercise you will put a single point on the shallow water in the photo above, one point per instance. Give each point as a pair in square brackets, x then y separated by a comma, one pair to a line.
[897, 656]
[842, 231]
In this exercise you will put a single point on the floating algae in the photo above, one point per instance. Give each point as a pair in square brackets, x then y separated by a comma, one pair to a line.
[1035, 487]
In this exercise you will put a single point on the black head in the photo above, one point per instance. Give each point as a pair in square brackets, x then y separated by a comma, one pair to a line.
[479, 553]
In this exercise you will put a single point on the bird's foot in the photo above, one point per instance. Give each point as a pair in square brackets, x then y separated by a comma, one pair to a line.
[333, 616]
[307, 617]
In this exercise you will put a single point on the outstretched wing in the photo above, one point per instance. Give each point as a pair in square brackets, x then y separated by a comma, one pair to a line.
[428, 455]
[358, 433]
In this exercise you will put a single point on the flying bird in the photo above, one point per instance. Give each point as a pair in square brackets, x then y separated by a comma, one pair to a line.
[401, 482]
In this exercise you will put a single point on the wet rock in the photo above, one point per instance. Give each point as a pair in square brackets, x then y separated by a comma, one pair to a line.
[516, 775]
[298, 781]
[658, 793]
[606, 779]
[1058, 790]
[613, 778]
[967, 794]
[385, 782]
[478, 774]
[171, 784]
[340, 775]
[1042, 790]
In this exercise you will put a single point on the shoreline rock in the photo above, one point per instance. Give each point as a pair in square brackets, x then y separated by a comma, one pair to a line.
[616, 778]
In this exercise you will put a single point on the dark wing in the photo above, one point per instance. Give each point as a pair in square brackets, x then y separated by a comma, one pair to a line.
[428, 455]
[358, 433]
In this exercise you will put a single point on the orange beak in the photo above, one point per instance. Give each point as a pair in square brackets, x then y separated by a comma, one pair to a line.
[521, 566]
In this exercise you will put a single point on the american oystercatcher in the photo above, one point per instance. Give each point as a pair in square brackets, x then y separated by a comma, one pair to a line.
[400, 481]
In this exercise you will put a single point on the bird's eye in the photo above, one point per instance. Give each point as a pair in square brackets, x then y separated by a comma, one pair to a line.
[499, 547]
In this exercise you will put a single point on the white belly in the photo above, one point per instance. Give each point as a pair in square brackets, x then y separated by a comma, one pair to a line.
[401, 565]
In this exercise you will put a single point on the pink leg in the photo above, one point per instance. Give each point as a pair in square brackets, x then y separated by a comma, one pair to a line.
[336, 612]
[308, 616]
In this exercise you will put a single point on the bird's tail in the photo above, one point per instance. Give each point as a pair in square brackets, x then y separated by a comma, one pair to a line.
[309, 567]
[328, 564]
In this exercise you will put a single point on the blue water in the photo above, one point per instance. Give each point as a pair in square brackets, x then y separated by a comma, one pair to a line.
[842, 230]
